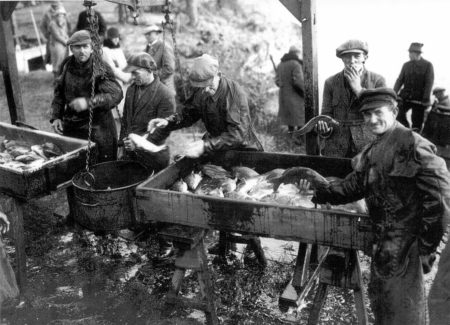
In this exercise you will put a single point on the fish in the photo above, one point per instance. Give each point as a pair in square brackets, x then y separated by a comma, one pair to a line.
[14, 143]
[51, 150]
[208, 184]
[216, 192]
[38, 150]
[308, 127]
[238, 196]
[16, 151]
[242, 172]
[180, 186]
[274, 173]
[214, 171]
[28, 157]
[228, 185]
[295, 174]
[5, 157]
[192, 180]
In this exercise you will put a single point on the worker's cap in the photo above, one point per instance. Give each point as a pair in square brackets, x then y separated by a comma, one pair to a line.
[56, 4]
[438, 90]
[352, 46]
[79, 38]
[59, 11]
[415, 47]
[375, 98]
[139, 61]
[112, 32]
[294, 49]
[152, 28]
[203, 69]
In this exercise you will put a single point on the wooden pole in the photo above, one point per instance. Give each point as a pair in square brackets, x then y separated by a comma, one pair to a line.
[308, 20]
[8, 64]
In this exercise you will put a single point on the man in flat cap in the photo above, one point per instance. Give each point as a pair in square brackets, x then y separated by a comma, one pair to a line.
[147, 98]
[162, 53]
[222, 105]
[291, 99]
[414, 86]
[341, 101]
[72, 98]
[407, 190]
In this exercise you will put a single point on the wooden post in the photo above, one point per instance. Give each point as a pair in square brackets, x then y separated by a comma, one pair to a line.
[308, 20]
[8, 63]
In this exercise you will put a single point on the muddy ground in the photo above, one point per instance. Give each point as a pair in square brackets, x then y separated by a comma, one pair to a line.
[78, 277]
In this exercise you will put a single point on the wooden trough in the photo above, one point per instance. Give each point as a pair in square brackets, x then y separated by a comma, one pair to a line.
[324, 227]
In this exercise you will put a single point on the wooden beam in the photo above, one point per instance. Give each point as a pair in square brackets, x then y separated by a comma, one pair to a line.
[8, 67]
[308, 20]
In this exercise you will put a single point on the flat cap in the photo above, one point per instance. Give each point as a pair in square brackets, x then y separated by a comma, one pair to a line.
[152, 28]
[294, 49]
[59, 11]
[140, 60]
[352, 46]
[415, 47]
[378, 97]
[203, 69]
[79, 38]
[438, 89]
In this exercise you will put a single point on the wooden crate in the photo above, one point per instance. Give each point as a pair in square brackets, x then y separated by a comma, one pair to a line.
[325, 227]
[41, 181]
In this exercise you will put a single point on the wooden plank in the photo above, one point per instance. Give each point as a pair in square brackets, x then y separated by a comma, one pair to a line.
[324, 227]
[8, 67]
[310, 71]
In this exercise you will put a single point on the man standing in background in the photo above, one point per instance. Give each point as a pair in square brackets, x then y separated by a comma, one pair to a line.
[416, 78]
[291, 107]
[163, 55]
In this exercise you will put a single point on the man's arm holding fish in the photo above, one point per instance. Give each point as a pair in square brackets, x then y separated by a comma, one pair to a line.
[323, 128]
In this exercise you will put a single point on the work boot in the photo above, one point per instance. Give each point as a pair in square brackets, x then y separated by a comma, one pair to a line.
[254, 253]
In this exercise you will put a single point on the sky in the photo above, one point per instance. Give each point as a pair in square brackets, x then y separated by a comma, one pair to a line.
[388, 26]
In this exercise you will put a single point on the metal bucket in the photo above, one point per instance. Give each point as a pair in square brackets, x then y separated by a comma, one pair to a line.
[106, 202]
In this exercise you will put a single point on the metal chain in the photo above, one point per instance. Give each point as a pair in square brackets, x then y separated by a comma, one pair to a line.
[97, 69]
[171, 24]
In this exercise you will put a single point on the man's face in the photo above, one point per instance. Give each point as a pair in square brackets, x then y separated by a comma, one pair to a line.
[81, 52]
[151, 37]
[141, 76]
[211, 88]
[115, 40]
[380, 119]
[354, 60]
[414, 56]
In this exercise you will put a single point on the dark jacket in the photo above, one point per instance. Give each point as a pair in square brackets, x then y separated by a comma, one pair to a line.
[291, 108]
[417, 78]
[156, 101]
[163, 55]
[407, 190]
[226, 116]
[83, 22]
[341, 103]
[75, 81]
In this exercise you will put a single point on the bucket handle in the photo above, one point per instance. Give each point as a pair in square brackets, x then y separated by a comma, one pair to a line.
[86, 204]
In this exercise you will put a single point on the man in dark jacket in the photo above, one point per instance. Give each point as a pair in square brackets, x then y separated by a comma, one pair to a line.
[83, 23]
[222, 105]
[414, 83]
[406, 186]
[340, 101]
[163, 55]
[291, 102]
[72, 98]
[147, 98]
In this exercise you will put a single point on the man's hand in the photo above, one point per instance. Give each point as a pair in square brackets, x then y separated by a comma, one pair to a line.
[57, 126]
[4, 223]
[323, 128]
[303, 185]
[354, 79]
[79, 104]
[120, 153]
[194, 149]
[135, 141]
[157, 123]
[129, 144]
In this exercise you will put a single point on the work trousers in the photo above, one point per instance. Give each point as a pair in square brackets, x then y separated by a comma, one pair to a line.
[417, 114]
[400, 299]
[439, 298]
